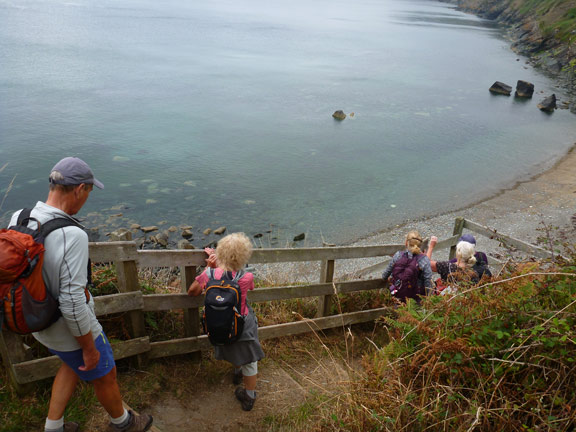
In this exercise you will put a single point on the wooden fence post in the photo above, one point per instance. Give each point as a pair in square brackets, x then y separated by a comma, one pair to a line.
[12, 351]
[192, 315]
[458, 228]
[127, 273]
[326, 275]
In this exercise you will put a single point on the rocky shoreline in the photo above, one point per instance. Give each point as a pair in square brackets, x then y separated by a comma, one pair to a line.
[547, 52]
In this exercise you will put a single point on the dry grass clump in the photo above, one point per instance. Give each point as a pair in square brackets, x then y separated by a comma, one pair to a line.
[496, 357]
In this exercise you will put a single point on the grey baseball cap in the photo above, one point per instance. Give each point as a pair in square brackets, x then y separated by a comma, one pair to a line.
[75, 171]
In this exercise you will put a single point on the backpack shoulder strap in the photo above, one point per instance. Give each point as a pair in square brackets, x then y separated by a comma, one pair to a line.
[238, 276]
[57, 223]
[24, 217]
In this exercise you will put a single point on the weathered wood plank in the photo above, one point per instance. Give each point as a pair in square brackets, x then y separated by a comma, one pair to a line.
[191, 315]
[161, 302]
[188, 345]
[47, 367]
[507, 241]
[180, 258]
[326, 276]
[171, 258]
[264, 256]
[117, 303]
[458, 228]
[106, 252]
[333, 321]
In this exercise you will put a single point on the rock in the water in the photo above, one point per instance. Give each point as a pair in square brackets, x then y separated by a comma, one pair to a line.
[258, 235]
[300, 237]
[187, 234]
[173, 228]
[149, 229]
[501, 88]
[135, 226]
[524, 89]
[220, 231]
[548, 104]
[183, 244]
[161, 239]
[207, 231]
[339, 115]
[121, 234]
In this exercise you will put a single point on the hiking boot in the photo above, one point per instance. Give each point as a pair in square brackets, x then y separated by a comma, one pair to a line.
[71, 427]
[137, 423]
[237, 378]
[247, 401]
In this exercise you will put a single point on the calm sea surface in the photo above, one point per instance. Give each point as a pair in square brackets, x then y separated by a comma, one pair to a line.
[220, 112]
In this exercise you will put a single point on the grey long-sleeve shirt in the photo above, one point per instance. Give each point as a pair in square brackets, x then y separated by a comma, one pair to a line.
[65, 274]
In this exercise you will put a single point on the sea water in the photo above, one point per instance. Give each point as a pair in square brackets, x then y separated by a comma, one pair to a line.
[219, 113]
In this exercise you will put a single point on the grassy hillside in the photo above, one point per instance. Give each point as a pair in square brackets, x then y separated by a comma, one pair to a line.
[556, 19]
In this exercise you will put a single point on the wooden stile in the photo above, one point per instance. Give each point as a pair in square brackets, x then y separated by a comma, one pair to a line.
[127, 259]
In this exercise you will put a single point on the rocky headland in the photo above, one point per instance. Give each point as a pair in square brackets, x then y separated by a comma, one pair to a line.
[542, 30]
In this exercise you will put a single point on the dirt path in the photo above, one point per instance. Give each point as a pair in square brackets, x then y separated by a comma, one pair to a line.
[280, 388]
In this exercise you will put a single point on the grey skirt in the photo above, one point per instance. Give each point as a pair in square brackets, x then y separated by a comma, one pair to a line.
[247, 349]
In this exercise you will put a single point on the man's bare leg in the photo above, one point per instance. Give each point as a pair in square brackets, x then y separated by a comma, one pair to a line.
[108, 394]
[62, 389]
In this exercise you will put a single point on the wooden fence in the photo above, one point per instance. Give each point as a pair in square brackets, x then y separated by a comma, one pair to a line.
[130, 301]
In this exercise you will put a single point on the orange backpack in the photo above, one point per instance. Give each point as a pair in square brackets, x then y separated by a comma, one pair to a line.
[26, 305]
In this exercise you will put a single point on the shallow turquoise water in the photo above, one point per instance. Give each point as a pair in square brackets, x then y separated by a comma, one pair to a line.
[219, 113]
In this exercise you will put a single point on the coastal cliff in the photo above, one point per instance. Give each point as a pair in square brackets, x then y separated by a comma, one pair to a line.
[543, 30]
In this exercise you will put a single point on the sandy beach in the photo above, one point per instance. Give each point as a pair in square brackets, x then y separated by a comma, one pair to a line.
[522, 211]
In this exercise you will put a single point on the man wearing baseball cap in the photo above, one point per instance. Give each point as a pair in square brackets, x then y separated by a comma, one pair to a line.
[77, 336]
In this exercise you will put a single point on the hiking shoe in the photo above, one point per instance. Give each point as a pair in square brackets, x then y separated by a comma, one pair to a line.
[71, 427]
[137, 423]
[242, 396]
[237, 378]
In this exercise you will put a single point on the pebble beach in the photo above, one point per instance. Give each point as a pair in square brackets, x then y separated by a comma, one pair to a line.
[523, 211]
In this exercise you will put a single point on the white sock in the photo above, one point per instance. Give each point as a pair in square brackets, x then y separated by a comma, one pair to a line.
[120, 420]
[54, 425]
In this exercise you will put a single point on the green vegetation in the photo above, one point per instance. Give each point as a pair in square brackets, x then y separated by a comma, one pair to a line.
[556, 18]
[498, 357]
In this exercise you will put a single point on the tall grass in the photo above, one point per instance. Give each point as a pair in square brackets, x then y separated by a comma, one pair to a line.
[496, 357]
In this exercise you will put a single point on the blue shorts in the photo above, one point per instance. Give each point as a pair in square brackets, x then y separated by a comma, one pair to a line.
[74, 359]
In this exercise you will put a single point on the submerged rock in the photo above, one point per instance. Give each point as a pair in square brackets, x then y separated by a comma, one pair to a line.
[121, 234]
[207, 231]
[501, 88]
[187, 234]
[183, 244]
[149, 229]
[548, 104]
[339, 115]
[220, 231]
[300, 237]
[524, 89]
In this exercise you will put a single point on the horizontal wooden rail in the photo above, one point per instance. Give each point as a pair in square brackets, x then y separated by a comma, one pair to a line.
[199, 343]
[120, 251]
[105, 252]
[118, 303]
[162, 302]
[507, 241]
[35, 370]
